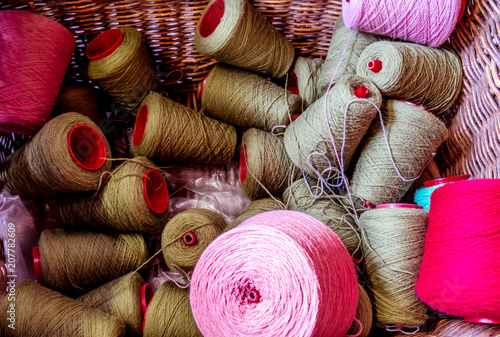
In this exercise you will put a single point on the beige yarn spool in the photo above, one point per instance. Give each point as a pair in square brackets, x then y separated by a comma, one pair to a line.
[120, 64]
[308, 134]
[245, 99]
[265, 168]
[82, 100]
[256, 207]
[67, 155]
[235, 33]
[413, 134]
[42, 312]
[134, 198]
[364, 314]
[306, 72]
[393, 246]
[459, 328]
[166, 131]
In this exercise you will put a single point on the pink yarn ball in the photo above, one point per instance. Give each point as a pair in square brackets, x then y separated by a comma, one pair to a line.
[35, 53]
[279, 273]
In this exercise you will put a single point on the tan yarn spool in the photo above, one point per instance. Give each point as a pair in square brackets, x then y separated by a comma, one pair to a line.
[235, 33]
[459, 328]
[309, 132]
[306, 72]
[67, 155]
[413, 135]
[120, 65]
[42, 312]
[166, 131]
[326, 209]
[122, 299]
[186, 236]
[134, 198]
[265, 168]
[393, 246]
[423, 75]
[359, 41]
[245, 99]
[256, 207]
[169, 314]
[70, 261]
[364, 314]
[82, 100]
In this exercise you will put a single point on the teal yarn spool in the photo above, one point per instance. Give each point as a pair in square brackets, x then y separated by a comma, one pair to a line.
[423, 195]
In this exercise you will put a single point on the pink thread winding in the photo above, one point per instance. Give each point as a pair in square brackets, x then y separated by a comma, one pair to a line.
[279, 273]
[460, 271]
[36, 52]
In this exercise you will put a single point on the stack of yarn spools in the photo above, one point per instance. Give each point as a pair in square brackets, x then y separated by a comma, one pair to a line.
[325, 248]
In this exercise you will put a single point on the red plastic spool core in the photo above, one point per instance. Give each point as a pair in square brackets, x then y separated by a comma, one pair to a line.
[189, 239]
[86, 147]
[253, 296]
[293, 83]
[104, 44]
[146, 298]
[435, 182]
[140, 124]
[399, 206]
[416, 105]
[483, 320]
[155, 191]
[462, 10]
[243, 163]
[203, 84]
[295, 116]
[361, 92]
[38, 265]
[212, 17]
[375, 65]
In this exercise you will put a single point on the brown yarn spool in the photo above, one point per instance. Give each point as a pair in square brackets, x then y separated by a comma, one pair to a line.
[306, 72]
[69, 261]
[245, 99]
[134, 198]
[413, 134]
[67, 155]
[166, 131]
[326, 209]
[120, 65]
[122, 299]
[169, 314]
[265, 168]
[42, 312]
[364, 314]
[256, 207]
[459, 328]
[186, 236]
[235, 33]
[309, 132]
[80, 99]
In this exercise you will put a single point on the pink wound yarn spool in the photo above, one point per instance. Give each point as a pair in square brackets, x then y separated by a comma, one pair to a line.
[279, 273]
[460, 271]
[410, 20]
[36, 52]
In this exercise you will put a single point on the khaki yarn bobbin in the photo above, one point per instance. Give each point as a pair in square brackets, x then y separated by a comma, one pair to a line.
[256, 207]
[364, 314]
[306, 72]
[82, 100]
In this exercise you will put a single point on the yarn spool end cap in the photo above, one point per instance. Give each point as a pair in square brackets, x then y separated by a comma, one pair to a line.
[375, 65]
[155, 191]
[189, 239]
[38, 265]
[483, 320]
[146, 297]
[396, 205]
[243, 163]
[293, 84]
[203, 84]
[140, 124]
[86, 147]
[441, 181]
[104, 44]
[212, 18]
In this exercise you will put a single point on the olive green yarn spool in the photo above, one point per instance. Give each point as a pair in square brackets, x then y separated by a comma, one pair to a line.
[186, 236]
[326, 209]
[309, 134]
[245, 99]
[134, 198]
[67, 155]
[266, 167]
[120, 298]
[169, 314]
[72, 261]
[423, 75]
[42, 312]
[359, 41]
[364, 314]
[256, 207]
[307, 73]
[80, 99]
[235, 33]
[413, 135]
[120, 64]
[166, 131]
[393, 246]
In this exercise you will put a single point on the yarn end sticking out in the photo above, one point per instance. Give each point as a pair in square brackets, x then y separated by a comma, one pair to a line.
[243, 163]
[446, 180]
[155, 191]
[104, 44]
[86, 147]
[397, 205]
[140, 124]
[212, 18]
[38, 265]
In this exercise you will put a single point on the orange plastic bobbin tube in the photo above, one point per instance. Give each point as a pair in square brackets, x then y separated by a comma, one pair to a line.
[243, 163]
[375, 65]
[86, 147]
[38, 265]
[104, 44]
[146, 298]
[212, 18]
[155, 191]
[399, 205]
[446, 180]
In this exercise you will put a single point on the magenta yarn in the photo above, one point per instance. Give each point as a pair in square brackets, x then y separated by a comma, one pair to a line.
[425, 22]
[35, 53]
[279, 273]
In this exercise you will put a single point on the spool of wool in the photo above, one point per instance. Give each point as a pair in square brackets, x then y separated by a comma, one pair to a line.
[36, 52]
[82, 100]
[306, 74]
[393, 244]
[256, 207]
[186, 236]
[411, 136]
[345, 53]
[67, 155]
[235, 33]
[134, 198]
[120, 64]
[43, 312]
[459, 328]
[72, 261]
[166, 131]
[426, 76]
[309, 136]
[245, 99]
[364, 315]
[423, 195]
